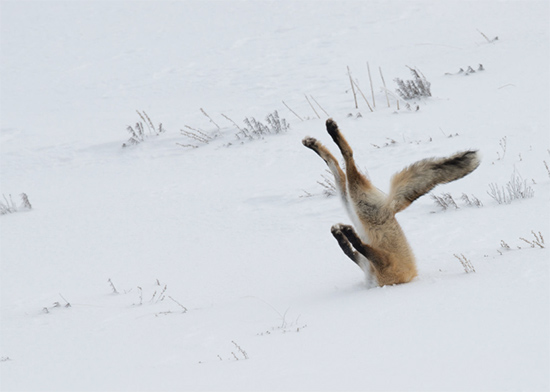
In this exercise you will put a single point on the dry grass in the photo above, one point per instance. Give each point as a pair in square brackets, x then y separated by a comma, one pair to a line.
[416, 88]
[467, 264]
[515, 189]
[8, 206]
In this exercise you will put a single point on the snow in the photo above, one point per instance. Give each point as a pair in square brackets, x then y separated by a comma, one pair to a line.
[227, 275]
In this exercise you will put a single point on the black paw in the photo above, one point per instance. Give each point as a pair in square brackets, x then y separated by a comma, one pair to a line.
[337, 233]
[338, 230]
[332, 128]
[335, 230]
[348, 231]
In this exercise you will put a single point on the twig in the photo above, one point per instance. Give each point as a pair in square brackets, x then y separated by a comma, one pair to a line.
[151, 123]
[363, 95]
[328, 115]
[187, 145]
[491, 41]
[371, 88]
[180, 305]
[317, 114]
[234, 123]
[384, 83]
[292, 111]
[115, 291]
[393, 96]
[210, 118]
[353, 89]
[161, 295]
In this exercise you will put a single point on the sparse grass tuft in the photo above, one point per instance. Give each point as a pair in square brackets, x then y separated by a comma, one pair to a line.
[515, 189]
[236, 355]
[138, 133]
[196, 135]
[8, 206]
[416, 88]
[252, 130]
[446, 201]
[239, 348]
[538, 241]
[504, 245]
[158, 297]
[502, 144]
[467, 264]
[471, 201]
[255, 129]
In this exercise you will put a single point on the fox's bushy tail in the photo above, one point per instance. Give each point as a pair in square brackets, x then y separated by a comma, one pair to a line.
[422, 176]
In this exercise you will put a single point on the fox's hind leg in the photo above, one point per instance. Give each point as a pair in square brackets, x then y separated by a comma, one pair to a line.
[345, 244]
[346, 235]
[332, 163]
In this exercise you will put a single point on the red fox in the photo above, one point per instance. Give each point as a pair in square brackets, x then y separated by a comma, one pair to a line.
[379, 246]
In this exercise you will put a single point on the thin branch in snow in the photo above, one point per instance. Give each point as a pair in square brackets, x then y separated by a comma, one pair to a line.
[385, 88]
[210, 118]
[363, 95]
[491, 41]
[371, 87]
[315, 111]
[293, 112]
[328, 115]
[353, 89]
[115, 291]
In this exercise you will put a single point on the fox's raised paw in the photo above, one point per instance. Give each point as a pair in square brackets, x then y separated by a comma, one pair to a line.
[309, 142]
[332, 128]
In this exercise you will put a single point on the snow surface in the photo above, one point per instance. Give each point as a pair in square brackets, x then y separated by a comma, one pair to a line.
[227, 275]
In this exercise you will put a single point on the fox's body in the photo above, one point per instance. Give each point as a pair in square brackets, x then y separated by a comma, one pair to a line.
[380, 247]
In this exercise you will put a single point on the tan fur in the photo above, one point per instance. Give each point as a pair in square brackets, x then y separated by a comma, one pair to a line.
[381, 240]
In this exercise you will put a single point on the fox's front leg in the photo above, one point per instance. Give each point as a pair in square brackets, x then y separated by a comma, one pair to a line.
[332, 163]
[356, 180]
